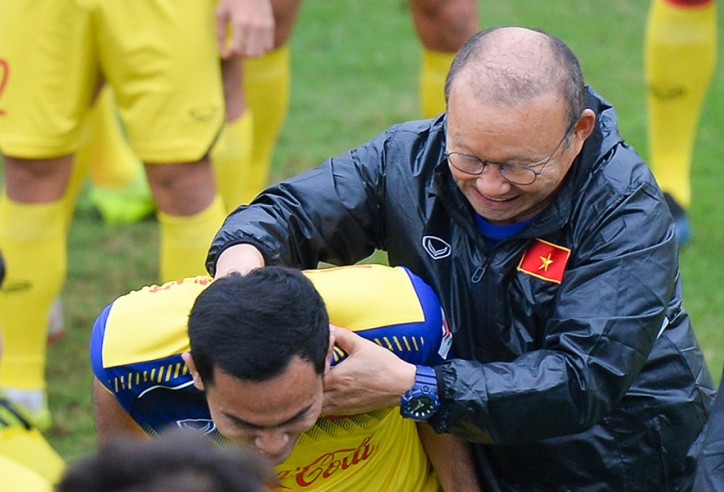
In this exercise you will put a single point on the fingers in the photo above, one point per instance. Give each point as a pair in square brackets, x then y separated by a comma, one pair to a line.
[346, 340]
[253, 41]
[222, 18]
[241, 258]
[244, 28]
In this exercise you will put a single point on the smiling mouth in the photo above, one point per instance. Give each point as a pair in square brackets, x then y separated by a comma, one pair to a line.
[496, 200]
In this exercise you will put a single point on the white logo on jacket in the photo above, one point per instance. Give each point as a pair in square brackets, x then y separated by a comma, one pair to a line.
[436, 247]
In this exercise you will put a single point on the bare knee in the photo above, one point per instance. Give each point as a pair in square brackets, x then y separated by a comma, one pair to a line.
[182, 189]
[37, 180]
[445, 26]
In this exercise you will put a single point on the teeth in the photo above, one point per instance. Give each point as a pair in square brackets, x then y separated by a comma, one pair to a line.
[497, 199]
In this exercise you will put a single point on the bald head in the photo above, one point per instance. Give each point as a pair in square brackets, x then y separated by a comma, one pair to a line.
[508, 66]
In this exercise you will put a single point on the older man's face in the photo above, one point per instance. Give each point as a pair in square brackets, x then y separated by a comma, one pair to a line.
[530, 134]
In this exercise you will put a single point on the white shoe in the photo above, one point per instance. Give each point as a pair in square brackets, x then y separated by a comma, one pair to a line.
[32, 405]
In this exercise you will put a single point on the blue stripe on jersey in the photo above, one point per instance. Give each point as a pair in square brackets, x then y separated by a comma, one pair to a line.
[160, 393]
[96, 346]
[416, 342]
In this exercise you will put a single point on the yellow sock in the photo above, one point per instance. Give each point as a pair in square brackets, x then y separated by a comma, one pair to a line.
[680, 55]
[185, 240]
[266, 88]
[232, 163]
[433, 71]
[33, 242]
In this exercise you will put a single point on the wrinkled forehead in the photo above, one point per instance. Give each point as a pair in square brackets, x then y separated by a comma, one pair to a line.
[489, 85]
[469, 118]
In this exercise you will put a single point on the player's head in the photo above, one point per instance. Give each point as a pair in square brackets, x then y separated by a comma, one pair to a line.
[260, 345]
[182, 462]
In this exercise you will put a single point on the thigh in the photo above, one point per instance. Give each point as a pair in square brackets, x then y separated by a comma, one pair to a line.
[47, 76]
[161, 57]
[285, 15]
[445, 26]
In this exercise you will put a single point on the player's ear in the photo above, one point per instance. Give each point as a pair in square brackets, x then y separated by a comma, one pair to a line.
[186, 356]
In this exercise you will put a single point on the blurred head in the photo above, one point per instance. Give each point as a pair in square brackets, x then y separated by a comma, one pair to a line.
[179, 462]
[516, 120]
[260, 346]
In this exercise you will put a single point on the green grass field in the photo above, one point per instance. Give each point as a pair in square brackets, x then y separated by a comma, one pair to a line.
[355, 69]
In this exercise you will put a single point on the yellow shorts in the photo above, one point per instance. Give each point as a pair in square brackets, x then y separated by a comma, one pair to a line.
[160, 57]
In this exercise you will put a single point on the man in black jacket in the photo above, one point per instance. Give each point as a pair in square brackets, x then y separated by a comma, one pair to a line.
[710, 471]
[553, 253]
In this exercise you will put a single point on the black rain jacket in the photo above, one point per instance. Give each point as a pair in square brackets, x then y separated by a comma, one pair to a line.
[594, 383]
[710, 471]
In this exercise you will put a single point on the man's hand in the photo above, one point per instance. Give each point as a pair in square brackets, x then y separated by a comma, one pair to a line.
[241, 258]
[252, 27]
[371, 377]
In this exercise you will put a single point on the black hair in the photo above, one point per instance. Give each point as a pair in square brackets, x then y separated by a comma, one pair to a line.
[180, 461]
[568, 75]
[251, 326]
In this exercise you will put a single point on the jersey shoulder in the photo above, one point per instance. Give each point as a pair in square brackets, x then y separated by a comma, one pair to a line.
[145, 325]
[389, 305]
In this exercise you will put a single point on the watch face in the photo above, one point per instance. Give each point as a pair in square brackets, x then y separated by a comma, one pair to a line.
[420, 407]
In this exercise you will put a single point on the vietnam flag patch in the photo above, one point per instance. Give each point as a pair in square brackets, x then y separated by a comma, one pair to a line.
[544, 260]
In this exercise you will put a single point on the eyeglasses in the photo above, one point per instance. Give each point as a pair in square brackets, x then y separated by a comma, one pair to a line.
[516, 174]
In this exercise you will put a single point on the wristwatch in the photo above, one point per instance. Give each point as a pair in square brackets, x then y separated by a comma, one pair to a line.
[421, 401]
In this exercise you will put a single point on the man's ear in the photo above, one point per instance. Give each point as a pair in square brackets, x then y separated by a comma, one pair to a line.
[583, 128]
[186, 356]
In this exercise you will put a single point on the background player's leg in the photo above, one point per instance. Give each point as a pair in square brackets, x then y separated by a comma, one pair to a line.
[266, 85]
[172, 118]
[442, 27]
[33, 241]
[189, 213]
[680, 54]
[232, 164]
[231, 155]
[119, 190]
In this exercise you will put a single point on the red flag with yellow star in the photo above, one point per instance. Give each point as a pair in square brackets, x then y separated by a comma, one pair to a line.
[544, 260]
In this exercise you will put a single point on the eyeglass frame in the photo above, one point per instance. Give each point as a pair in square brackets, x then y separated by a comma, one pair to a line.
[484, 164]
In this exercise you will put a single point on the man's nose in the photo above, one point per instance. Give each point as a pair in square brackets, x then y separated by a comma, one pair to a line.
[491, 183]
[271, 441]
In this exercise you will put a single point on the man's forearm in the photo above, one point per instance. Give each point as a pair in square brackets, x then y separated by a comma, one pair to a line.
[452, 459]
